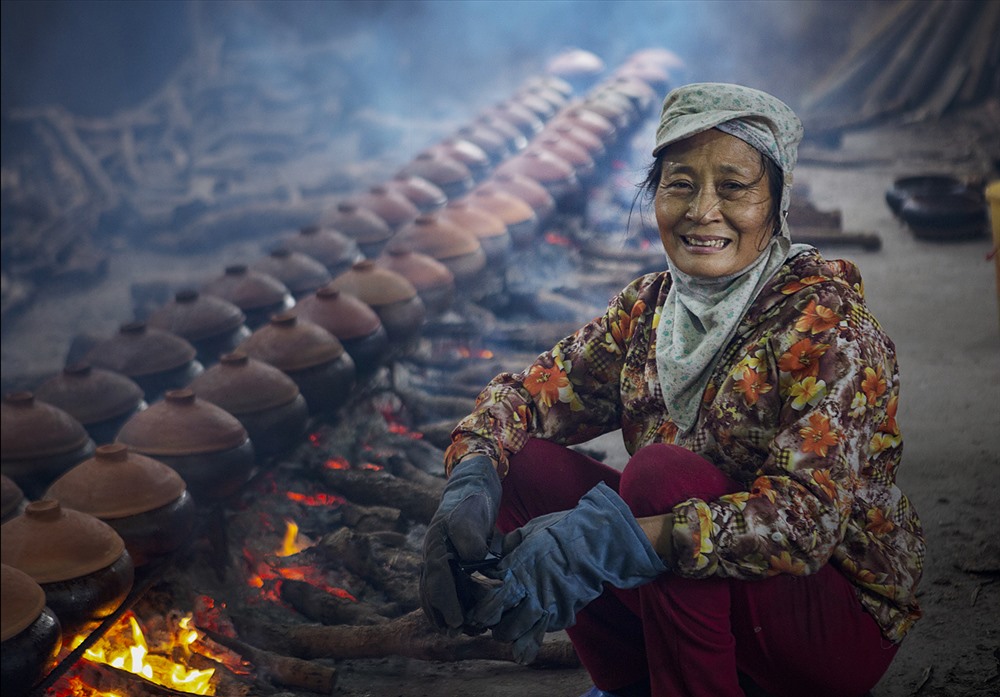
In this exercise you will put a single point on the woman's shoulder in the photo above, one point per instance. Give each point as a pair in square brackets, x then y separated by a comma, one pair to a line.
[649, 289]
[811, 274]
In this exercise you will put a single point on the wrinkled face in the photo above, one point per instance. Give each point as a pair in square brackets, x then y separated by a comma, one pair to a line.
[712, 204]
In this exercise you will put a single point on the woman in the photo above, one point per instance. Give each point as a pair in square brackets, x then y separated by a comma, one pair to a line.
[756, 533]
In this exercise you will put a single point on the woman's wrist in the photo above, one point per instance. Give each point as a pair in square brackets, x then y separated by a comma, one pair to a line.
[659, 531]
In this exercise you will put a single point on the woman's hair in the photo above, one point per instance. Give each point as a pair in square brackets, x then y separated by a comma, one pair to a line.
[768, 168]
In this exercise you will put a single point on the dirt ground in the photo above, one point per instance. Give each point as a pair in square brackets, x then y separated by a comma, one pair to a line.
[939, 303]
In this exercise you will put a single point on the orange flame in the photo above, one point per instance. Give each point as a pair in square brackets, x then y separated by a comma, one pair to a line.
[290, 543]
[338, 463]
[319, 499]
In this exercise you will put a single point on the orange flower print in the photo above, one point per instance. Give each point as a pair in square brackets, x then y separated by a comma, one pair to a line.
[810, 391]
[859, 404]
[890, 426]
[784, 564]
[817, 437]
[802, 359]
[544, 383]
[878, 523]
[762, 487]
[874, 384]
[667, 433]
[751, 385]
[623, 327]
[702, 537]
[883, 441]
[816, 318]
[826, 484]
[710, 391]
[796, 286]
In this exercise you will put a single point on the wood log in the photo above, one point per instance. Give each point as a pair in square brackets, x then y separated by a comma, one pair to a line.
[381, 559]
[410, 636]
[369, 518]
[323, 607]
[381, 488]
[284, 671]
[108, 679]
[401, 467]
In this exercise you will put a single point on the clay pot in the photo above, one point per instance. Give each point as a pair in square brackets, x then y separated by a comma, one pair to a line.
[206, 445]
[489, 229]
[651, 74]
[945, 217]
[577, 156]
[468, 153]
[38, 441]
[434, 236]
[30, 633]
[526, 189]
[615, 107]
[300, 274]
[12, 501]
[143, 500]
[643, 97]
[392, 207]
[266, 401]
[79, 561]
[921, 185]
[588, 120]
[516, 214]
[551, 171]
[393, 298]
[101, 400]
[155, 359]
[489, 140]
[513, 138]
[537, 103]
[363, 226]
[310, 355]
[353, 322]
[425, 195]
[445, 172]
[581, 136]
[332, 248]
[550, 83]
[577, 67]
[213, 325]
[258, 295]
[519, 116]
[434, 282]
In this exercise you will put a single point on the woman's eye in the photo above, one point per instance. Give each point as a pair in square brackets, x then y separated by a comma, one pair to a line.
[678, 185]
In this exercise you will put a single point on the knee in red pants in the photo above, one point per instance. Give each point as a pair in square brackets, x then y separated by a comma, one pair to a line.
[660, 476]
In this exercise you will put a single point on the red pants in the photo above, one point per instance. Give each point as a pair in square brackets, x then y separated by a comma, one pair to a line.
[792, 635]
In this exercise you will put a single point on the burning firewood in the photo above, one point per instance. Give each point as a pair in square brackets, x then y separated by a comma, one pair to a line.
[382, 559]
[378, 487]
[369, 518]
[103, 678]
[320, 606]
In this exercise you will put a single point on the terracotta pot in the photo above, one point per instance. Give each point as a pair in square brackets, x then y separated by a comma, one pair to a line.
[38, 441]
[353, 322]
[526, 189]
[434, 282]
[264, 399]
[445, 172]
[538, 104]
[491, 141]
[520, 219]
[576, 66]
[588, 120]
[30, 633]
[581, 136]
[615, 107]
[12, 500]
[425, 195]
[434, 236]
[101, 400]
[392, 207]
[332, 248]
[577, 156]
[513, 138]
[550, 83]
[363, 226]
[258, 295]
[639, 92]
[155, 359]
[79, 561]
[143, 500]
[212, 324]
[468, 153]
[651, 74]
[207, 446]
[300, 274]
[489, 229]
[519, 116]
[310, 355]
[393, 298]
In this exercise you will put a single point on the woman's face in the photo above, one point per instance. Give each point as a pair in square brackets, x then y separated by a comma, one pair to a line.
[713, 204]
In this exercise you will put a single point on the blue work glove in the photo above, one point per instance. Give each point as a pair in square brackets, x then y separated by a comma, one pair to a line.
[558, 563]
[459, 531]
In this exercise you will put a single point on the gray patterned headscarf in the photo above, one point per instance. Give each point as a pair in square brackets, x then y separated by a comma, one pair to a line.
[701, 315]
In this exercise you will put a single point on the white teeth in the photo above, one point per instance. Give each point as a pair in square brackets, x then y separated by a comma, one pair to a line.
[704, 243]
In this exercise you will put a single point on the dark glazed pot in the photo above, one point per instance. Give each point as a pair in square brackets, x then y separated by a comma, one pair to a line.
[212, 324]
[143, 500]
[30, 633]
[425, 195]
[362, 225]
[310, 355]
[206, 445]
[258, 295]
[468, 153]
[392, 207]
[444, 171]
[79, 561]
[155, 359]
[333, 249]
[491, 142]
[393, 298]
[101, 400]
[353, 322]
[300, 274]
[12, 501]
[38, 441]
[265, 400]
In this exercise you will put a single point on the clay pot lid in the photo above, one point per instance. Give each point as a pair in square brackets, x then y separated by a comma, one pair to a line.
[541, 107]
[438, 168]
[181, 424]
[34, 429]
[589, 120]
[422, 270]
[117, 483]
[479, 221]
[506, 206]
[22, 601]
[90, 394]
[522, 187]
[138, 349]
[374, 285]
[194, 316]
[424, 194]
[575, 62]
[248, 289]
[541, 165]
[550, 82]
[433, 235]
[51, 543]
[360, 224]
[568, 130]
[663, 58]
[638, 91]
[289, 343]
[615, 107]
[512, 136]
[243, 385]
[299, 273]
[490, 140]
[342, 314]
[11, 495]
[328, 246]
[463, 150]
[391, 206]
[519, 116]
[574, 154]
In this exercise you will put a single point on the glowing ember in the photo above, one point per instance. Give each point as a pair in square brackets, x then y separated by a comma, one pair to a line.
[466, 352]
[555, 238]
[315, 439]
[320, 499]
[371, 467]
[337, 463]
[290, 544]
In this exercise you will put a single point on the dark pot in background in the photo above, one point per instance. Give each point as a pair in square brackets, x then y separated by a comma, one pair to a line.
[353, 322]
[363, 226]
[12, 500]
[213, 325]
[335, 250]
[258, 295]
[391, 206]
[457, 249]
[444, 171]
[433, 280]
[393, 298]
[299, 273]
[425, 195]
[30, 633]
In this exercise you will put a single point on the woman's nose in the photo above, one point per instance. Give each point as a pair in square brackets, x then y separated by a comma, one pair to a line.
[704, 206]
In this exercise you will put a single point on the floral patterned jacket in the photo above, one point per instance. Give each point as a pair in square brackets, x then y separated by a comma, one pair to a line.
[801, 410]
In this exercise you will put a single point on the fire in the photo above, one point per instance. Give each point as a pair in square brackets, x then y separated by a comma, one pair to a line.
[338, 463]
[319, 499]
[290, 544]
[554, 238]
[466, 352]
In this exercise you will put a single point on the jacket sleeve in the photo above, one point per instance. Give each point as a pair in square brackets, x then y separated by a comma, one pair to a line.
[833, 428]
[569, 395]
